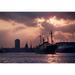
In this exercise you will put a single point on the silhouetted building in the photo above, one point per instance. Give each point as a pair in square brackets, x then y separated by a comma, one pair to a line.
[17, 43]
[26, 46]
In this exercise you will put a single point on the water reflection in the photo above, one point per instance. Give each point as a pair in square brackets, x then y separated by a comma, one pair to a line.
[37, 58]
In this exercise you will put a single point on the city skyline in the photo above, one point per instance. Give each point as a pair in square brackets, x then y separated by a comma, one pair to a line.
[28, 26]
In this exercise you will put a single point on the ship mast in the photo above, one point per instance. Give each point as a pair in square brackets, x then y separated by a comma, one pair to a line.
[40, 39]
[51, 33]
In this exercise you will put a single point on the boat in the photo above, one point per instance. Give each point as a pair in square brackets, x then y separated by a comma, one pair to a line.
[46, 48]
[66, 47]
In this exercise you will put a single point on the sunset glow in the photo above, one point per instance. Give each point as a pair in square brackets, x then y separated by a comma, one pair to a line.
[28, 27]
[39, 20]
[55, 21]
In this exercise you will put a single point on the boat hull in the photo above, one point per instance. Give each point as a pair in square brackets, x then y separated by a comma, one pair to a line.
[48, 50]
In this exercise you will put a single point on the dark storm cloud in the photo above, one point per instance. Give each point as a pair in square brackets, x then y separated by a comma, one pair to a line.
[65, 15]
[27, 17]
[24, 18]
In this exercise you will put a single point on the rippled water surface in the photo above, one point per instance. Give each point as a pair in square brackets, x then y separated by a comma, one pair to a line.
[37, 58]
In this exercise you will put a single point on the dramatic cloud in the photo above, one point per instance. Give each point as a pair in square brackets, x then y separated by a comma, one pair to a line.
[29, 26]
[27, 17]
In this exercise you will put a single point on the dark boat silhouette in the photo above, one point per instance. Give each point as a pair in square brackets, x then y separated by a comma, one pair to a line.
[46, 48]
[66, 47]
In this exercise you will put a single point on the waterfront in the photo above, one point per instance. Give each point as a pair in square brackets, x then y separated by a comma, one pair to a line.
[37, 58]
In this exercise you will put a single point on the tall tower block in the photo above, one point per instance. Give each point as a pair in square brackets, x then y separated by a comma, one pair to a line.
[17, 43]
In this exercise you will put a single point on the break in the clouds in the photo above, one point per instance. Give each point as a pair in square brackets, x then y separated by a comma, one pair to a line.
[27, 17]
[28, 26]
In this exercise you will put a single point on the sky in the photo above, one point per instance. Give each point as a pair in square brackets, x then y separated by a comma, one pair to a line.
[28, 26]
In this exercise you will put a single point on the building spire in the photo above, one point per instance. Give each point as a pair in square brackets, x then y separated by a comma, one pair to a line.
[26, 45]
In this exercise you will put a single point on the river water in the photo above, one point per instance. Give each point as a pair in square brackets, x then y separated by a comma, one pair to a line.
[37, 58]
